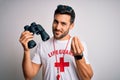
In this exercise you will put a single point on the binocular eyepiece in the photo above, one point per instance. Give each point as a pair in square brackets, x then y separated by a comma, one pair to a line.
[36, 29]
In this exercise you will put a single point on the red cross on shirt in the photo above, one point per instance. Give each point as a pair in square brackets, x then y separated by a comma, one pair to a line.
[61, 64]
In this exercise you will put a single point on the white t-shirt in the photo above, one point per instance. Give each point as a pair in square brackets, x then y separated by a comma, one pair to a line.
[45, 55]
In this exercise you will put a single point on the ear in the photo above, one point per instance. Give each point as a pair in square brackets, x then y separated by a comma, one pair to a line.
[71, 25]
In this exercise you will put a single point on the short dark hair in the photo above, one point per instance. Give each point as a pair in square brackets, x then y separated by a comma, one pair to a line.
[64, 9]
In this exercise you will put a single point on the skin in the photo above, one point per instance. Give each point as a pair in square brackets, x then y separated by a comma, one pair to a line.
[60, 27]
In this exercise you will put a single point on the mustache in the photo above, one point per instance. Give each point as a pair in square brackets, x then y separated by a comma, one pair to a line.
[56, 30]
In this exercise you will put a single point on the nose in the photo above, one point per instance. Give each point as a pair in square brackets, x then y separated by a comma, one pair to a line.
[58, 26]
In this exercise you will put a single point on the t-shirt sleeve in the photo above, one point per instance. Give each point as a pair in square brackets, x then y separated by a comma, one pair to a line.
[36, 58]
[85, 53]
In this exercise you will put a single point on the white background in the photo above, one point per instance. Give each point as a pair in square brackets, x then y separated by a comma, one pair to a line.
[97, 22]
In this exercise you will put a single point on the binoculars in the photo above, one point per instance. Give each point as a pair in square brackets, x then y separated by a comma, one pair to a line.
[36, 29]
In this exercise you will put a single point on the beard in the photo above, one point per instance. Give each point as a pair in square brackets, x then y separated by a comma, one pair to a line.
[59, 34]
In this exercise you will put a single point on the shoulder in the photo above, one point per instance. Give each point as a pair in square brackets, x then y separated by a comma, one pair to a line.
[46, 43]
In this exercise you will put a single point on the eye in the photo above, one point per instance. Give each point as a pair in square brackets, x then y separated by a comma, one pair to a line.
[63, 23]
[55, 22]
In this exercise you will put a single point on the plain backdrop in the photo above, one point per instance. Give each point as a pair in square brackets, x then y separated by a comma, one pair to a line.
[97, 22]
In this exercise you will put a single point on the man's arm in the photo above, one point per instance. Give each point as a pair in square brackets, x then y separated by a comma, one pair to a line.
[29, 69]
[84, 70]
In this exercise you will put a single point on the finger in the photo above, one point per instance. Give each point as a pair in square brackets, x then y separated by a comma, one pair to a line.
[78, 49]
[25, 35]
[25, 32]
[25, 42]
[73, 46]
[80, 45]
[27, 38]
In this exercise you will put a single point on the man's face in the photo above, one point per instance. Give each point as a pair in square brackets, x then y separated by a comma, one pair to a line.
[61, 25]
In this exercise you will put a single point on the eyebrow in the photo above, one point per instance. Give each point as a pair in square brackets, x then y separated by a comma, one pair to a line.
[60, 22]
[55, 20]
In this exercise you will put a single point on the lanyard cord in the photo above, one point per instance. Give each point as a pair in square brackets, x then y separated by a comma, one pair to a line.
[63, 52]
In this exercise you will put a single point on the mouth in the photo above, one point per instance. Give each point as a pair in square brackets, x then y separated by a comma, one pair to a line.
[57, 31]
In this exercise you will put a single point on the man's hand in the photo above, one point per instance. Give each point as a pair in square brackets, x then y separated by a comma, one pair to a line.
[76, 46]
[25, 37]
[84, 70]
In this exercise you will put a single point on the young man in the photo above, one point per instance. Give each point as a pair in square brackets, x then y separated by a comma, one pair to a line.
[63, 57]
